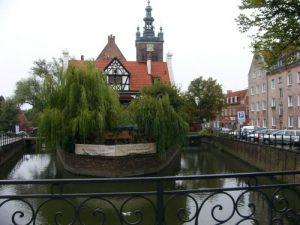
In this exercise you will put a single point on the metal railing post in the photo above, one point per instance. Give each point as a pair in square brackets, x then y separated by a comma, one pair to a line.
[159, 203]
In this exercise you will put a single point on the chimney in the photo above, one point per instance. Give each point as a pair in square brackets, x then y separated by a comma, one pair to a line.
[66, 59]
[111, 39]
[82, 58]
[170, 67]
[149, 66]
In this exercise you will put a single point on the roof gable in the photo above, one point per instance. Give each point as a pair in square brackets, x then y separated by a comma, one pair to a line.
[111, 50]
[139, 76]
[115, 67]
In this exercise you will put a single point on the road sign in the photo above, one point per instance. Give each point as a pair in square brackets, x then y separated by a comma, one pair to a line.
[241, 116]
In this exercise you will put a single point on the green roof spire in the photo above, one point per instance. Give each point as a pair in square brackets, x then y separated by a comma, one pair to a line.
[148, 28]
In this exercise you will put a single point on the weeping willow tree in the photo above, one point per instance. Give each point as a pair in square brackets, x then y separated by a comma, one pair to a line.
[79, 107]
[158, 120]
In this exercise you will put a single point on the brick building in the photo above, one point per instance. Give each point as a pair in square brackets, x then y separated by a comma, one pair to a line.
[258, 90]
[284, 96]
[237, 101]
[274, 96]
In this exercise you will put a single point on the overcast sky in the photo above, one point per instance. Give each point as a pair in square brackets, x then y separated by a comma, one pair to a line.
[201, 34]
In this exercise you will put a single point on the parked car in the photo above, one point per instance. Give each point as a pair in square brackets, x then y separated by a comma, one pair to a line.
[284, 137]
[255, 134]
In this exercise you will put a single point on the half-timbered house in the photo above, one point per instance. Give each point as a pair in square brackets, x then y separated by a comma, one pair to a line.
[129, 77]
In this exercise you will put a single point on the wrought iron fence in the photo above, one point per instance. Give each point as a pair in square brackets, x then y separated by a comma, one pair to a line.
[153, 200]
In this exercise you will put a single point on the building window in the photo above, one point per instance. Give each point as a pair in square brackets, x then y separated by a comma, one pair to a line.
[280, 111]
[298, 77]
[299, 100]
[257, 106]
[254, 74]
[280, 93]
[263, 105]
[225, 112]
[263, 88]
[273, 83]
[279, 80]
[298, 121]
[290, 101]
[257, 89]
[252, 91]
[257, 123]
[273, 103]
[289, 79]
[290, 121]
[252, 107]
[264, 123]
[259, 73]
[273, 121]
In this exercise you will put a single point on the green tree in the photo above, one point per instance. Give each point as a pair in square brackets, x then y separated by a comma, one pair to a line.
[31, 90]
[276, 25]
[154, 113]
[206, 99]
[8, 114]
[42, 68]
[160, 89]
[79, 107]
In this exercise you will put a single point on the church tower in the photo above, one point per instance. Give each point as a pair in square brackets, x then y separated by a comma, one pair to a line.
[149, 45]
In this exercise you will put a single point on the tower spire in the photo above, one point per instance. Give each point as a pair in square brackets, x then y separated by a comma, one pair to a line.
[148, 19]
[148, 42]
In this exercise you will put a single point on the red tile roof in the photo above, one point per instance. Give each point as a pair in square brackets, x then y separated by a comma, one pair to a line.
[139, 77]
[241, 93]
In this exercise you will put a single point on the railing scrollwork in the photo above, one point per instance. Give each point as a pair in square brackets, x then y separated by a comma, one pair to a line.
[160, 202]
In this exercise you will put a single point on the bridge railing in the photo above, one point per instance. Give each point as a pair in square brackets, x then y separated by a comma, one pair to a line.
[153, 200]
[6, 139]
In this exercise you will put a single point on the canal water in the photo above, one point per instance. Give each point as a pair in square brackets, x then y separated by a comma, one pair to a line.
[194, 161]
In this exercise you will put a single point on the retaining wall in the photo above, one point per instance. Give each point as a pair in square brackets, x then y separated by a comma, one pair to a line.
[263, 157]
[8, 151]
[118, 166]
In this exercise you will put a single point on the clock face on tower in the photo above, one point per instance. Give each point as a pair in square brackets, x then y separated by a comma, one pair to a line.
[150, 47]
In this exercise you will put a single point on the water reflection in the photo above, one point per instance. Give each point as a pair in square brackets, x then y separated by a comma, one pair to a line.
[204, 207]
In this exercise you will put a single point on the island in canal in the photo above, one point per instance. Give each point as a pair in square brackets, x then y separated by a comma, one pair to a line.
[94, 133]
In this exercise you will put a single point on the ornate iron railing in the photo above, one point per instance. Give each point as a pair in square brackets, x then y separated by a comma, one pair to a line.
[153, 200]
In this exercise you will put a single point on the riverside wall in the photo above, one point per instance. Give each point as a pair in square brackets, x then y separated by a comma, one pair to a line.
[263, 157]
[119, 166]
[9, 151]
